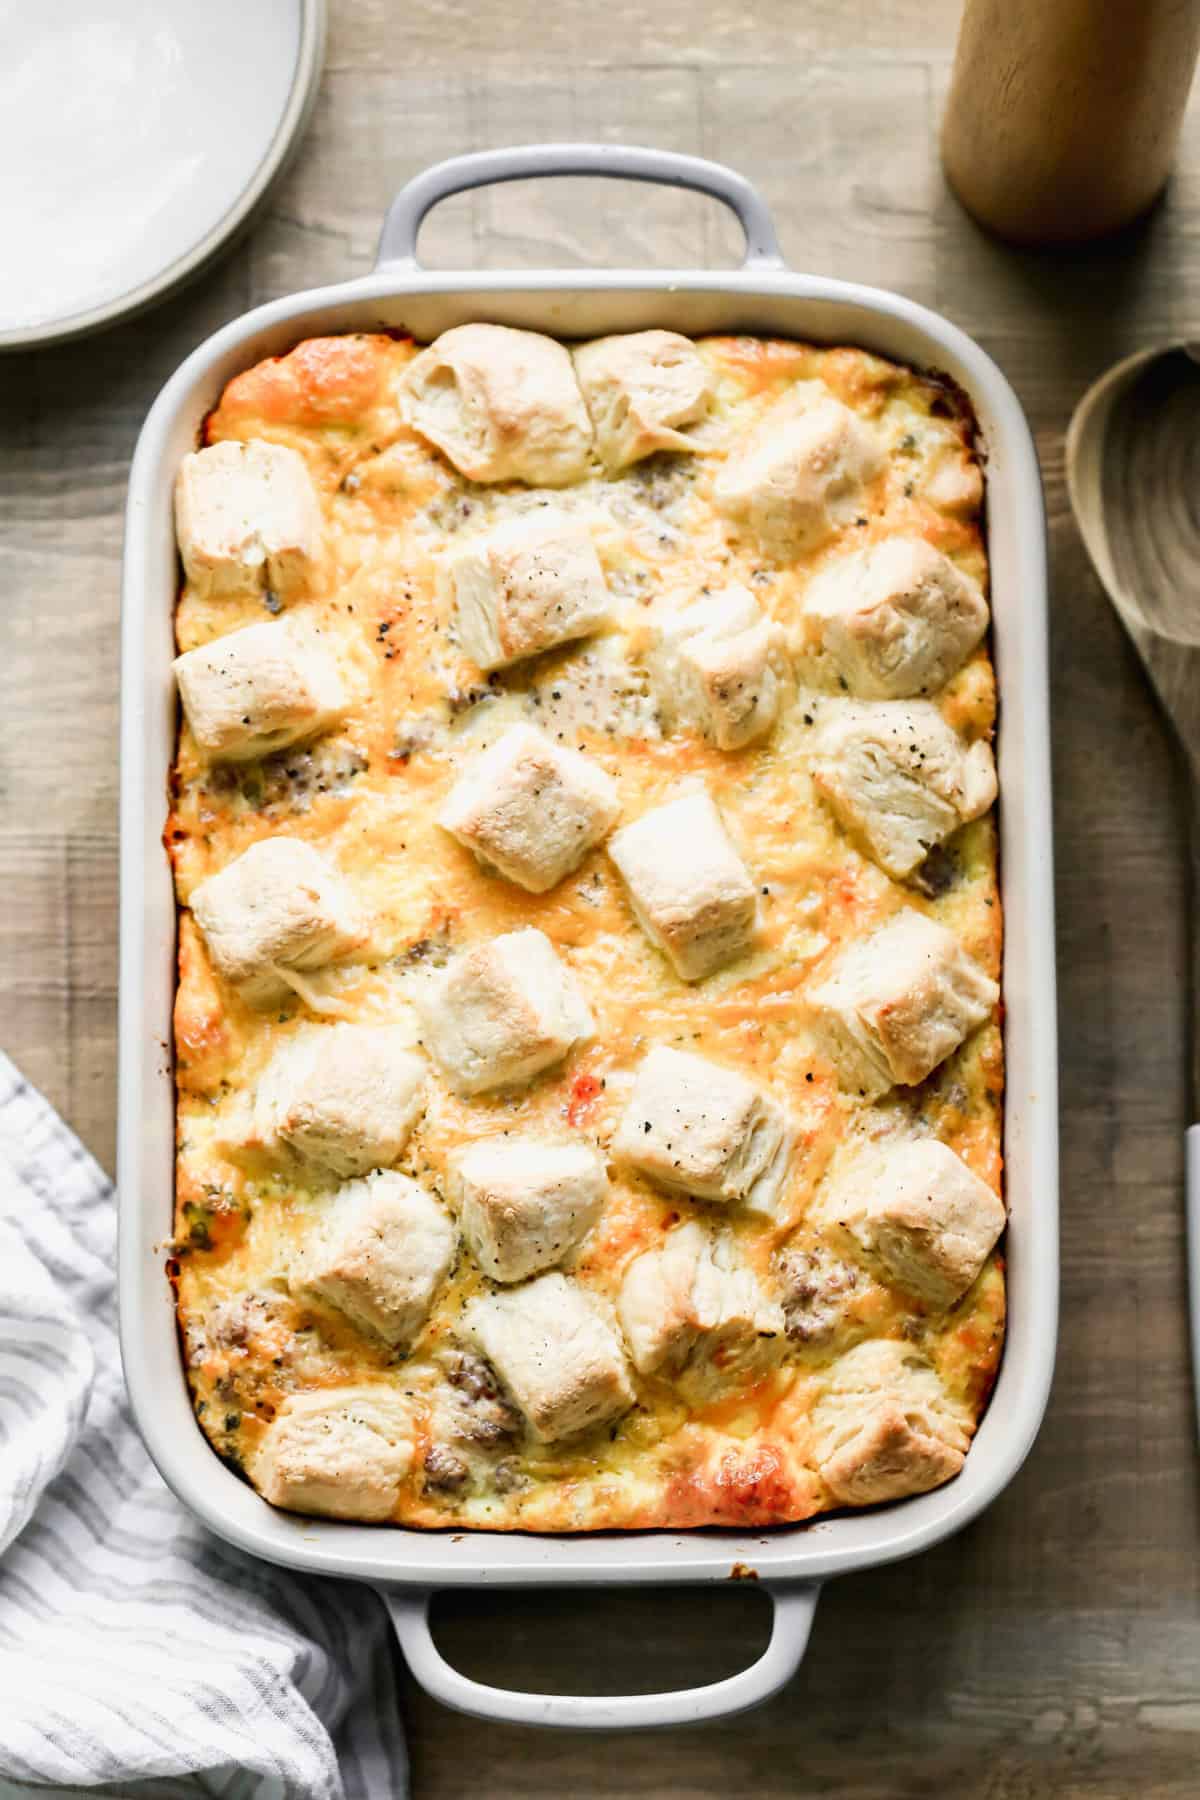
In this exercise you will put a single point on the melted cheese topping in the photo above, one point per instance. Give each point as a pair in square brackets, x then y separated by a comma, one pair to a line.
[367, 795]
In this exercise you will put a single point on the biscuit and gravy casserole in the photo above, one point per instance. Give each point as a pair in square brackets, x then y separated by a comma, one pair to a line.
[587, 1038]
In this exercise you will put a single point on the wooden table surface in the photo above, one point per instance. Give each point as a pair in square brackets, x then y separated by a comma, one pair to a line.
[1053, 1648]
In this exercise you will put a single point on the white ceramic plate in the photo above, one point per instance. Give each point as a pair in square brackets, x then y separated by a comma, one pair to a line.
[135, 138]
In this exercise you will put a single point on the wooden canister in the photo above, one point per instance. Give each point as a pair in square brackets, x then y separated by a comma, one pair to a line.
[1064, 114]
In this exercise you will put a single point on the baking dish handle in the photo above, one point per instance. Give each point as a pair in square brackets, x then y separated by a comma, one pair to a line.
[482, 168]
[794, 1605]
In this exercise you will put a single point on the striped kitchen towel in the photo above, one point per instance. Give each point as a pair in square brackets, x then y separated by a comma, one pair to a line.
[138, 1655]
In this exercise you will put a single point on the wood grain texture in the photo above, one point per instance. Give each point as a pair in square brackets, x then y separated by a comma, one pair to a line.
[1053, 1648]
[1063, 119]
[1131, 463]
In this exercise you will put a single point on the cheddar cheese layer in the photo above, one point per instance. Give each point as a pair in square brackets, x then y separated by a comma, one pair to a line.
[587, 1037]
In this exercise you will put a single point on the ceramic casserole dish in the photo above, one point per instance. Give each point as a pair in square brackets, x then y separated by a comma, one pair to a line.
[408, 1566]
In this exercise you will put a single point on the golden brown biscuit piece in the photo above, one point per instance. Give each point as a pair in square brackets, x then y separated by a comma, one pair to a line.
[801, 475]
[895, 620]
[502, 1012]
[693, 1125]
[897, 1003]
[524, 1203]
[503, 405]
[378, 1251]
[640, 389]
[340, 1097]
[247, 517]
[714, 666]
[885, 1427]
[693, 1300]
[555, 1353]
[922, 1217]
[341, 1452]
[531, 808]
[532, 583]
[278, 910]
[690, 891]
[258, 690]
[898, 778]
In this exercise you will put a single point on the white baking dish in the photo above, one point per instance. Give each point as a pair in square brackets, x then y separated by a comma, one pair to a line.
[405, 1565]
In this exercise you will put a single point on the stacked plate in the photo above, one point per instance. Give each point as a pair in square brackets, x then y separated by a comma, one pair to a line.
[135, 139]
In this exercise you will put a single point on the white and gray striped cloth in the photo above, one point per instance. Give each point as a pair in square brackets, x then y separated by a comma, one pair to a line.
[139, 1656]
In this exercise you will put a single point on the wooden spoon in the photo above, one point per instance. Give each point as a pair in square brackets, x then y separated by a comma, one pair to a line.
[1133, 469]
